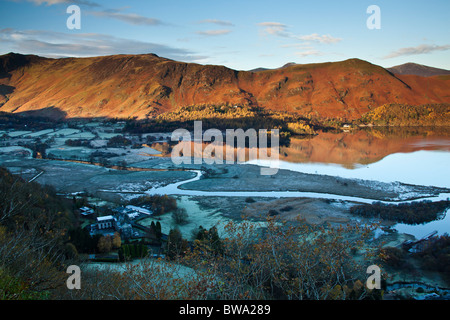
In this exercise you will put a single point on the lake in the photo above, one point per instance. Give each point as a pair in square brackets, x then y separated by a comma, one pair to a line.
[409, 155]
[427, 168]
[419, 156]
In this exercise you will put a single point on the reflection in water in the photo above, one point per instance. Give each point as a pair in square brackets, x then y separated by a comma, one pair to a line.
[349, 149]
[425, 168]
[364, 146]
[442, 226]
[416, 155]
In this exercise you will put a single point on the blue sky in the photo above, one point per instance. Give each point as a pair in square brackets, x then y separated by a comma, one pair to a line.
[242, 35]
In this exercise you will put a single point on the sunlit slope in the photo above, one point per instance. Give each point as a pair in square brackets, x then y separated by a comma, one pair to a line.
[141, 85]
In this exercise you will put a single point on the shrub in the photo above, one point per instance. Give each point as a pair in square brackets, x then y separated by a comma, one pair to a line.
[249, 200]
[180, 216]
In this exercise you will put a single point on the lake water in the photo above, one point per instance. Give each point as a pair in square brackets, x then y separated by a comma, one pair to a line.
[411, 156]
[418, 156]
[427, 168]
[419, 231]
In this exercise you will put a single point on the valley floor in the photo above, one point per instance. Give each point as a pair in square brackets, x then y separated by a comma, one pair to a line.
[221, 192]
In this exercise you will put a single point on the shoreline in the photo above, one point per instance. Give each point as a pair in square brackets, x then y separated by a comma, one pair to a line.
[298, 184]
[235, 179]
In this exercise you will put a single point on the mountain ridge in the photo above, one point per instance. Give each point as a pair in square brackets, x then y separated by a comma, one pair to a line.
[411, 68]
[123, 86]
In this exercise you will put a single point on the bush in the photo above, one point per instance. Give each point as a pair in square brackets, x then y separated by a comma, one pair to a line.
[77, 143]
[249, 200]
[410, 213]
[180, 216]
[392, 256]
[118, 141]
[13, 288]
[436, 256]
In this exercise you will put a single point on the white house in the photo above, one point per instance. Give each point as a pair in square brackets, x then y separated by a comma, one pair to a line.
[106, 222]
[139, 209]
[85, 211]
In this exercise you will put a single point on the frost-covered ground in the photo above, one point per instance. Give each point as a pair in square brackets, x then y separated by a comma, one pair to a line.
[82, 135]
[16, 150]
[64, 132]
[66, 152]
[39, 133]
[197, 215]
[131, 155]
[178, 270]
[18, 133]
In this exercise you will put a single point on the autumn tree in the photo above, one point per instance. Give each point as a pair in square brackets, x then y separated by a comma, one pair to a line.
[116, 240]
[105, 244]
[283, 262]
[176, 245]
[277, 261]
[208, 239]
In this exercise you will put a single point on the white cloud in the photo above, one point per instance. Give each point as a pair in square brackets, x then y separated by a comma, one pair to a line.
[58, 44]
[281, 30]
[275, 28]
[218, 22]
[301, 45]
[308, 53]
[130, 18]
[214, 32]
[319, 38]
[54, 2]
[421, 49]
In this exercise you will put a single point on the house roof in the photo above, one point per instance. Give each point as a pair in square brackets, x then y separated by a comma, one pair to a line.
[139, 209]
[104, 218]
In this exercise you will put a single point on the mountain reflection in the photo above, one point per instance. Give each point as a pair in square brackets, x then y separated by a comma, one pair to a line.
[363, 146]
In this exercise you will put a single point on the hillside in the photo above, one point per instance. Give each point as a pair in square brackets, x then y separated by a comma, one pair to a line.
[406, 115]
[418, 70]
[141, 85]
[33, 234]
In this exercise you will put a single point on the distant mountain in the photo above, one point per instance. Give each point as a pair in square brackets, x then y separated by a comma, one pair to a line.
[289, 64]
[418, 70]
[125, 86]
[259, 69]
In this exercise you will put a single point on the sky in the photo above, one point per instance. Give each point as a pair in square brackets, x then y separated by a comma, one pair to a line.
[241, 35]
